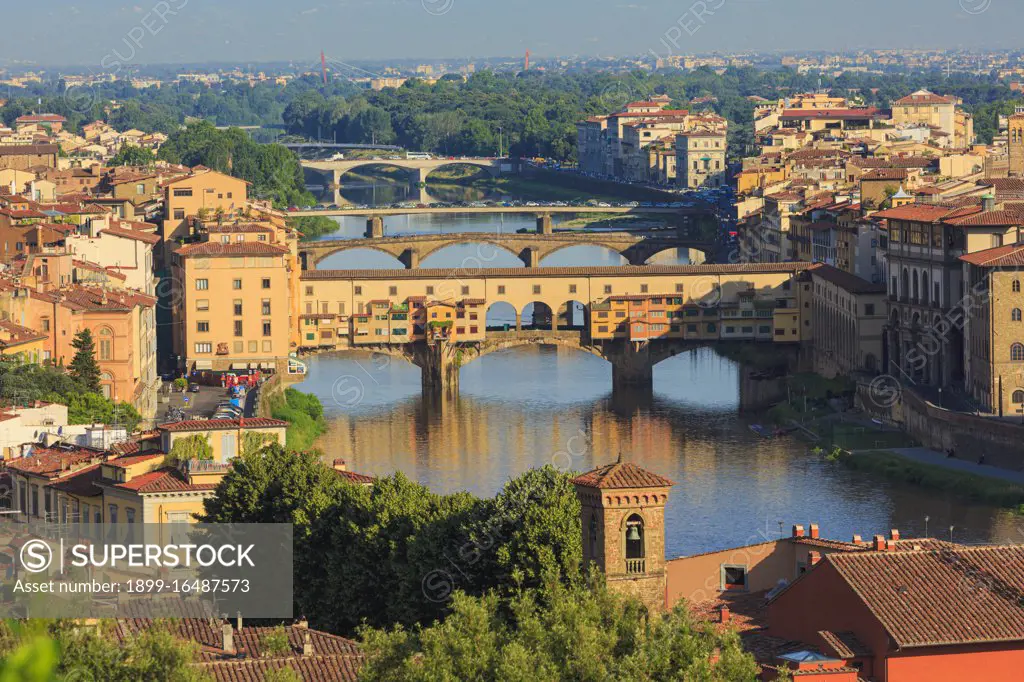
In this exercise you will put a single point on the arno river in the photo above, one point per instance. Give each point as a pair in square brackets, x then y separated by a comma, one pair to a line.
[529, 407]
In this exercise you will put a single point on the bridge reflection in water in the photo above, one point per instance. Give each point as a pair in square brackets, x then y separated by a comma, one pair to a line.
[532, 406]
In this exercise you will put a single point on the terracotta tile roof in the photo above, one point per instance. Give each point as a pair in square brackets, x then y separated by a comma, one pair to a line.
[17, 334]
[988, 219]
[26, 149]
[164, 480]
[362, 479]
[129, 460]
[81, 482]
[55, 462]
[796, 114]
[241, 227]
[922, 213]
[967, 595]
[138, 235]
[118, 300]
[845, 644]
[847, 281]
[232, 249]
[621, 475]
[333, 658]
[885, 174]
[1011, 255]
[532, 273]
[40, 118]
[223, 424]
[923, 97]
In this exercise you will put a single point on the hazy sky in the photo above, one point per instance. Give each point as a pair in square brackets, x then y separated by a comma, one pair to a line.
[91, 32]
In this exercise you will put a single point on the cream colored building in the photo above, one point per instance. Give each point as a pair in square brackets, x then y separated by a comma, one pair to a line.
[234, 298]
[848, 317]
[700, 159]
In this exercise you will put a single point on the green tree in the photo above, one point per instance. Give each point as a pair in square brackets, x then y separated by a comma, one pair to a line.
[93, 408]
[561, 633]
[186, 449]
[130, 155]
[84, 368]
[94, 653]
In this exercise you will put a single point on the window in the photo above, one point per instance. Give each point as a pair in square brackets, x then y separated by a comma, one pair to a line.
[140, 189]
[129, 515]
[734, 577]
[265, 283]
[112, 513]
[254, 346]
[265, 306]
[1017, 352]
[183, 192]
[764, 329]
[239, 346]
[460, 330]
[106, 344]
[238, 328]
[202, 327]
[465, 291]
[204, 348]
[603, 328]
[269, 345]
[1018, 397]
[229, 195]
[430, 291]
[712, 328]
[202, 284]
[236, 284]
[202, 304]
[607, 288]
[1016, 286]
[679, 288]
[536, 288]
[238, 306]
[691, 329]
[266, 327]
[869, 309]
[572, 288]
[359, 291]
[392, 291]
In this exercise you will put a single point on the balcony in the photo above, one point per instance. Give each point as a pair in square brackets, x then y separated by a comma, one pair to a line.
[636, 566]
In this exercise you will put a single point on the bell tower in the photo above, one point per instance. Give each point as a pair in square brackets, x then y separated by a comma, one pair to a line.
[623, 520]
[1015, 143]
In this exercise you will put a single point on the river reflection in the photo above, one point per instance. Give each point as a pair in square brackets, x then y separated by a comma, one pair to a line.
[529, 407]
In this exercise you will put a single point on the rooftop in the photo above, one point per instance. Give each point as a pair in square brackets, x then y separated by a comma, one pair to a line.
[224, 424]
[534, 273]
[621, 475]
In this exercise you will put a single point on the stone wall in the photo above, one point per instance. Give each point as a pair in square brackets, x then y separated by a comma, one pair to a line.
[1000, 440]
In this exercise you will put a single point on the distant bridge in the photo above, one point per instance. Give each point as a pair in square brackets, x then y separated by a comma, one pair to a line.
[537, 210]
[418, 169]
[531, 248]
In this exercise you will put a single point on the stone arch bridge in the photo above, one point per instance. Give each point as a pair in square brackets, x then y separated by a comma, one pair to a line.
[529, 247]
[418, 169]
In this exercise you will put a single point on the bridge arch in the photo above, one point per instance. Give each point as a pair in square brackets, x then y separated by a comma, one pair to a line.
[382, 258]
[500, 313]
[486, 254]
[565, 251]
[654, 253]
[537, 315]
[408, 174]
[573, 314]
[481, 168]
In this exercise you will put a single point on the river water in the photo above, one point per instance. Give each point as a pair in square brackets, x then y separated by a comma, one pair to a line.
[528, 407]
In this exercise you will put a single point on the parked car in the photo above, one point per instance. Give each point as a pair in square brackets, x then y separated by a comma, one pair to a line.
[193, 388]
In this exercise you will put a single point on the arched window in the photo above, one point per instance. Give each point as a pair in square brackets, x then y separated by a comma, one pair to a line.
[1018, 397]
[1015, 315]
[917, 292]
[1017, 352]
[105, 350]
[107, 384]
[1016, 286]
[924, 288]
[634, 541]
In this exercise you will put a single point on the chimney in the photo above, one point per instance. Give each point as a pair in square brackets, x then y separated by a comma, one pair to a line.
[307, 645]
[238, 620]
[813, 558]
[894, 534]
[340, 465]
[988, 202]
[879, 543]
[890, 546]
[857, 540]
[798, 531]
[724, 614]
[302, 623]
[814, 531]
[229, 638]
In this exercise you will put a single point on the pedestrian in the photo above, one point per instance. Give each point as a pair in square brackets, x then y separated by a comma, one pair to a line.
[981, 460]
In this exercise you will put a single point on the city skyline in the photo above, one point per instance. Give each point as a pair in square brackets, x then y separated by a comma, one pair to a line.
[187, 31]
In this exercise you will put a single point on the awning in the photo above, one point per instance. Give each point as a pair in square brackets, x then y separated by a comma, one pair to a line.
[266, 365]
[239, 365]
[204, 364]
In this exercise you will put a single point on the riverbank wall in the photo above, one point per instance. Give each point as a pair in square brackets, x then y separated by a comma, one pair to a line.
[1001, 441]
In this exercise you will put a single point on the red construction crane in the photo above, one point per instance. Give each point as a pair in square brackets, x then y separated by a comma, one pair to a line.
[323, 66]
[526, 66]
